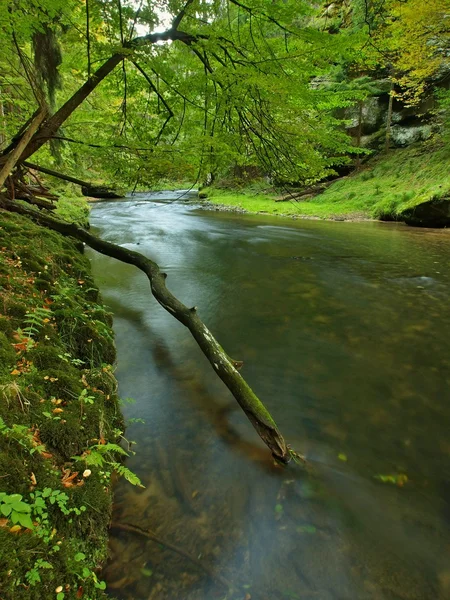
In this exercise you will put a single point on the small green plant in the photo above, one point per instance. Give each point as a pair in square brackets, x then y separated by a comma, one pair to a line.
[35, 320]
[32, 576]
[84, 399]
[102, 455]
[68, 358]
[13, 507]
[22, 435]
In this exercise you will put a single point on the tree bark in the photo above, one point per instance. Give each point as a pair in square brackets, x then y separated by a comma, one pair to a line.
[14, 156]
[389, 119]
[222, 364]
[56, 174]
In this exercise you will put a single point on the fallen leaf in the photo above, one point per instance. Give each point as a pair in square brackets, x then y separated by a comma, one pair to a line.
[55, 411]
[15, 529]
[3, 522]
[15, 372]
[68, 477]
[46, 455]
[33, 478]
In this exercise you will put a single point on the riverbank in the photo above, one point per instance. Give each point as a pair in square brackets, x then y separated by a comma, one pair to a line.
[390, 187]
[59, 414]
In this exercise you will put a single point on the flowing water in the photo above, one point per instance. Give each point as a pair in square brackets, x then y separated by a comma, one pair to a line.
[344, 329]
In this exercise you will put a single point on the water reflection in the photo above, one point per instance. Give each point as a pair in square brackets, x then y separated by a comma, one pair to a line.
[344, 330]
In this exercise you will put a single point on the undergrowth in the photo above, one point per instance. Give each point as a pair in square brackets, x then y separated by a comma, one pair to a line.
[59, 416]
[385, 187]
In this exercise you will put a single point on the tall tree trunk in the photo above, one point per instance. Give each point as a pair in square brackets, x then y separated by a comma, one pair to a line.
[389, 118]
[223, 365]
[2, 121]
[359, 133]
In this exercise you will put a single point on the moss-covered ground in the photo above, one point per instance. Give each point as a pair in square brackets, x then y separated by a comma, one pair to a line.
[59, 415]
[385, 187]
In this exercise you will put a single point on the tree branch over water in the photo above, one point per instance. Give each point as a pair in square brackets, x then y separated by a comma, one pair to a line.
[225, 367]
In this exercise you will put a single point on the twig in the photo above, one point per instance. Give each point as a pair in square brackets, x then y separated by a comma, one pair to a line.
[152, 536]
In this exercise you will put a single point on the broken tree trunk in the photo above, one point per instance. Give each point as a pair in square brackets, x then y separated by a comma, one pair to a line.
[223, 365]
[14, 156]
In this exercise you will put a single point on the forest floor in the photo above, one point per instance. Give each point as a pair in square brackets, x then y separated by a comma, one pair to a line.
[383, 188]
[59, 413]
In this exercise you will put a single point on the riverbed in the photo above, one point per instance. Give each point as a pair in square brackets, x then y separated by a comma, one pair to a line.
[344, 330]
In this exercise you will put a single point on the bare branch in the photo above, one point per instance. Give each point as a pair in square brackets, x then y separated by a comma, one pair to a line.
[176, 22]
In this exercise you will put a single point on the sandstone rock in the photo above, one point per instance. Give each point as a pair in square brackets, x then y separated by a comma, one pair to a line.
[434, 213]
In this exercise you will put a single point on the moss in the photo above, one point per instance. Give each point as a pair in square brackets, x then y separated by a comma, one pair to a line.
[7, 354]
[45, 419]
[45, 357]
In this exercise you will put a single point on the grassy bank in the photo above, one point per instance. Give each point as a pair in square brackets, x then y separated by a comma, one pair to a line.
[384, 188]
[59, 415]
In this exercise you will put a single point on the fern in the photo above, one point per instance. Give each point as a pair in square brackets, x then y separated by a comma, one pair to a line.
[35, 320]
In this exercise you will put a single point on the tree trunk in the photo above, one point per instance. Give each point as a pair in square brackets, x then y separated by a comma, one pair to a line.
[222, 364]
[14, 156]
[56, 174]
[359, 133]
[389, 118]
[52, 125]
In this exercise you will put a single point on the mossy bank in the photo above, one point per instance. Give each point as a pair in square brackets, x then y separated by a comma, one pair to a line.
[59, 417]
[411, 185]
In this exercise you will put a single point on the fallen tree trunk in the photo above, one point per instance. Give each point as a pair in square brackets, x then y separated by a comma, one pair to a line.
[87, 189]
[14, 156]
[223, 365]
[56, 174]
[308, 192]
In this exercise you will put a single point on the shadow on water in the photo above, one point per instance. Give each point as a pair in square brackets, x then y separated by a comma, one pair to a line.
[344, 332]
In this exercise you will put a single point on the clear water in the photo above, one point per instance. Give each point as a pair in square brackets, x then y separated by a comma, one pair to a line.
[344, 329]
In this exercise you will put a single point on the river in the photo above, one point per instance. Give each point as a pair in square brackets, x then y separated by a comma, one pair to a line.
[344, 330]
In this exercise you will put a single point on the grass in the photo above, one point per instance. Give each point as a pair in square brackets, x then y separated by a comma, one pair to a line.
[387, 186]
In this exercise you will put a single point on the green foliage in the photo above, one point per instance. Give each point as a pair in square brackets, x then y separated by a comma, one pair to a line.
[384, 189]
[103, 455]
[12, 507]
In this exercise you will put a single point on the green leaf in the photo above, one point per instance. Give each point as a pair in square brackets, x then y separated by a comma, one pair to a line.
[79, 556]
[342, 456]
[6, 509]
[60, 596]
[21, 507]
[100, 585]
[25, 521]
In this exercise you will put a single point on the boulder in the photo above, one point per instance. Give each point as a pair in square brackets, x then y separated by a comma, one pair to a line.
[100, 192]
[410, 134]
[433, 213]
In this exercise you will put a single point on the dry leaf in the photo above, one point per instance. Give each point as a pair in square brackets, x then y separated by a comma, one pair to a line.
[15, 528]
